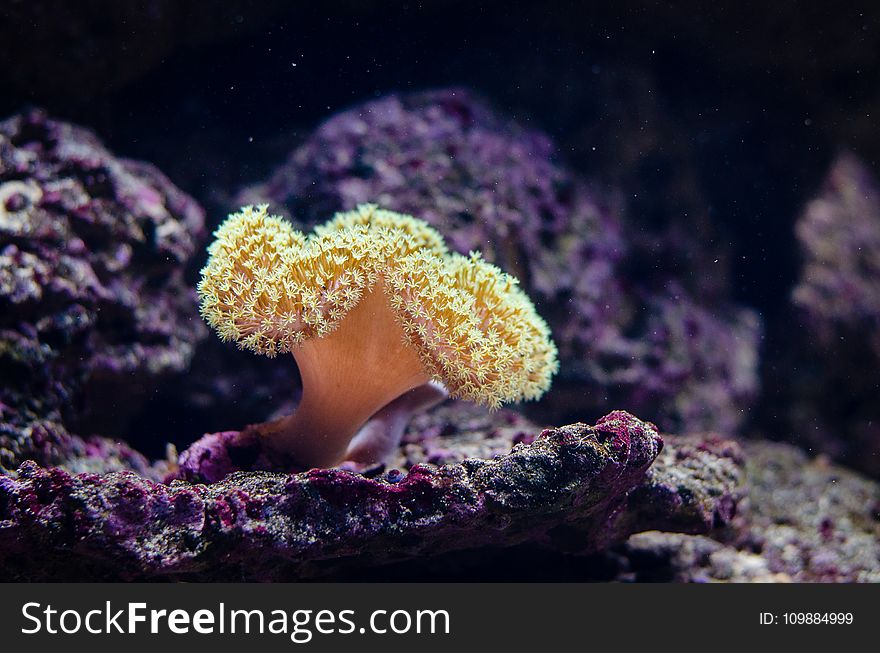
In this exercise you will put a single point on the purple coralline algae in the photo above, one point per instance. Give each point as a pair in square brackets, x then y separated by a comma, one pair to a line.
[686, 364]
[576, 488]
[839, 234]
[801, 520]
[94, 309]
[488, 183]
[810, 519]
[831, 371]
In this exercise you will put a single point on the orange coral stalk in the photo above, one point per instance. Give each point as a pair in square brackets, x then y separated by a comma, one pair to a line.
[347, 376]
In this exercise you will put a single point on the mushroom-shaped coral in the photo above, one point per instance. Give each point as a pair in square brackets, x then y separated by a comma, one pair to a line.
[371, 305]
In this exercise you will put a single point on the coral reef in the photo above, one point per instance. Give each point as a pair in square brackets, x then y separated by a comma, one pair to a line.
[575, 488]
[447, 435]
[94, 310]
[491, 184]
[663, 217]
[96, 313]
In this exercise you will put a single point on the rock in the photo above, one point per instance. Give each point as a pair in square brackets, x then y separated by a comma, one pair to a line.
[811, 520]
[94, 308]
[572, 488]
[826, 376]
[839, 233]
[800, 520]
[673, 557]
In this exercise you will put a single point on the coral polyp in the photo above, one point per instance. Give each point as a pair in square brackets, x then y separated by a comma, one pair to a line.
[371, 305]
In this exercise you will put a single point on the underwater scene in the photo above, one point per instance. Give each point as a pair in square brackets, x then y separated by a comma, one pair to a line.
[450, 291]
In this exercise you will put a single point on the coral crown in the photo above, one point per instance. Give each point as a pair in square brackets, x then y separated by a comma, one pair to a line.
[269, 288]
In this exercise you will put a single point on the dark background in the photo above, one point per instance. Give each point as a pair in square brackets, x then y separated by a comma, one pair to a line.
[730, 112]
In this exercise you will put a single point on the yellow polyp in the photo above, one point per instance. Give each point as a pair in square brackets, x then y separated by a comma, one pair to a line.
[371, 305]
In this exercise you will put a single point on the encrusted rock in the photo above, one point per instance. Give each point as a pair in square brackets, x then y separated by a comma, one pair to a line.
[826, 379]
[575, 489]
[839, 233]
[800, 520]
[810, 519]
[94, 309]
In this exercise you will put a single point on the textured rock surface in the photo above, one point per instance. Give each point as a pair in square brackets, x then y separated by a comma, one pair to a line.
[693, 487]
[488, 183]
[691, 367]
[810, 519]
[94, 310]
[51, 444]
[571, 489]
[802, 520]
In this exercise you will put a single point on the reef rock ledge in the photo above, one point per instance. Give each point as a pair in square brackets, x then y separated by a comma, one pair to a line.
[570, 489]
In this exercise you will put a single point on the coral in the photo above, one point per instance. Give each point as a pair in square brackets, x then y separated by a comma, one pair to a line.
[371, 295]
[381, 435]
[493, 185]
[566, 490]
[447, 435]
[94, 310]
